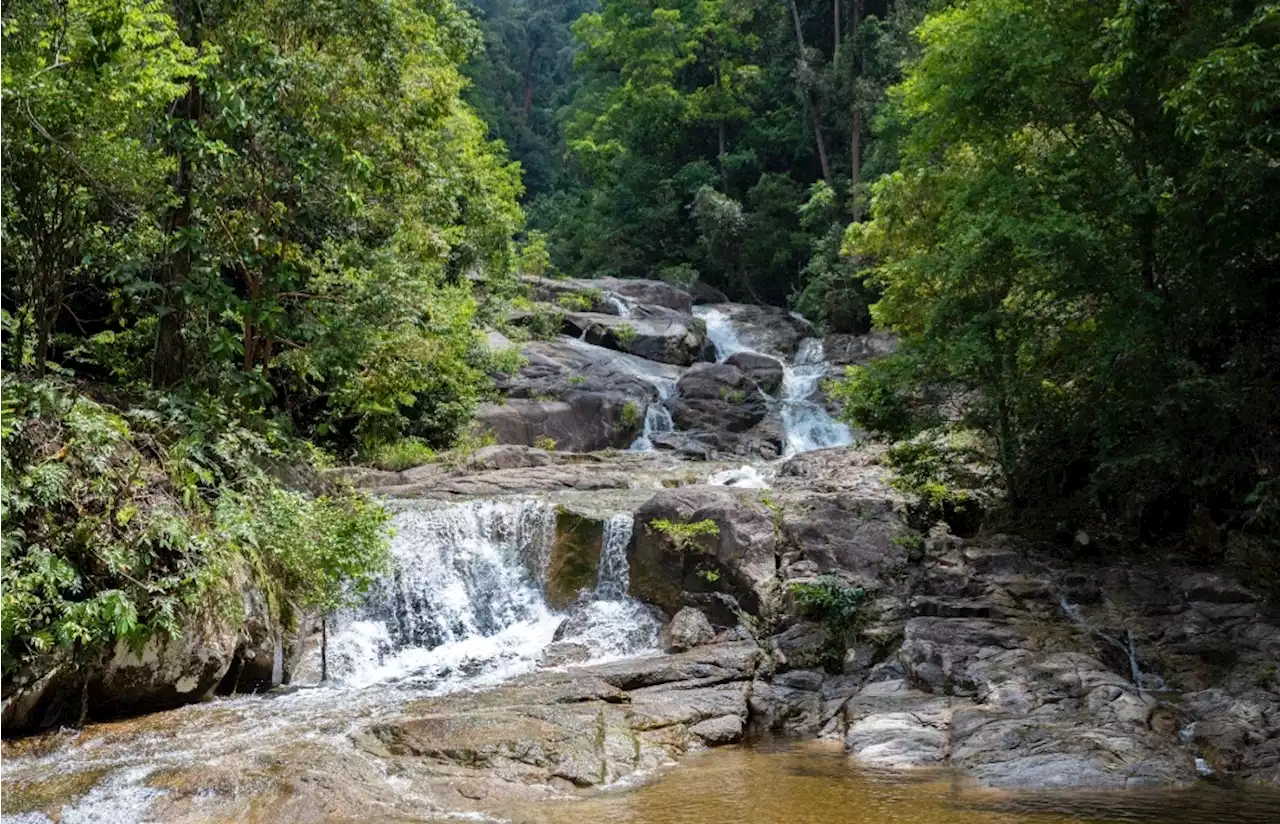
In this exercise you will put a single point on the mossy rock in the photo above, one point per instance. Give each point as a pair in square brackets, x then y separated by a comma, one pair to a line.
[575, 557]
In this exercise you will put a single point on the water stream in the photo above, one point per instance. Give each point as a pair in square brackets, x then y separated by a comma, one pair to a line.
[806, 424]
[462, 608]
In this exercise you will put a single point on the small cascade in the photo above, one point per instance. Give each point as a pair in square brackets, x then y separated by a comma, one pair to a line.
[806, 424]
[621, 305]
[463, 594]
[613, 578]
[744, 477]
[607, 621]
[1144, 681]
[721, 333]
[662, 377]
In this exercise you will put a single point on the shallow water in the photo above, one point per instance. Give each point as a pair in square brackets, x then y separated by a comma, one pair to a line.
[816, 783]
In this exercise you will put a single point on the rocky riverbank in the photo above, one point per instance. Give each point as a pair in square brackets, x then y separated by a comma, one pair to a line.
[515, 654]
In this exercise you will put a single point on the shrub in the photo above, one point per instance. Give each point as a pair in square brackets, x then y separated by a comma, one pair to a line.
[624, 334]
[402, 454]
[838, 608]
[631, 416]
[685, 536]
[545, 442]
[575, 302]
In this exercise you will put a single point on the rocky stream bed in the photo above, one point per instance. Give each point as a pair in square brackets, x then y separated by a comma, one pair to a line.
[541, 643]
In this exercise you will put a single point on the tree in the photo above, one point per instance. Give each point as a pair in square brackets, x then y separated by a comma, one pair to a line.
[1076, 246]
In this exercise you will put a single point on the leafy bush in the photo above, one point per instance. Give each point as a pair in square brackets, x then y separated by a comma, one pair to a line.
[840, 610]
[402, 454]
[684, 536]
[575, 302]
[545, 442]
[624, 334]
[120, 521]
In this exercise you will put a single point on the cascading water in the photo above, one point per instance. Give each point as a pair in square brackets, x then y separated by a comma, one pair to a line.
[806, 425]
[463, 596]
[805, 422]
[608, 622]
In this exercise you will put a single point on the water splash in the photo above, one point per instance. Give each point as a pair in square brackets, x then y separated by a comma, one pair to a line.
[721, 333]
[464, 592]
[745, 477]
[607, 622]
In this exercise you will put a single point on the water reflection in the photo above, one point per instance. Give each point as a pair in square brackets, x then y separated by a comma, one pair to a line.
[815, 783]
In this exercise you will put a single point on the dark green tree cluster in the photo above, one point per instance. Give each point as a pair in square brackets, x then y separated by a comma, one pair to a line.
[523, 77]
[726, 141]
[230, 230]
[1081, 252]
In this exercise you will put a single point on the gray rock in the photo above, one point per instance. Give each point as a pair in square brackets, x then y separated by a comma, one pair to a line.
[767, 329]
[718, 397]
[715, 732]
[587, 422]
[740, 558]
[508, 456]
[765, 371]
[689, 628]
[655, 334]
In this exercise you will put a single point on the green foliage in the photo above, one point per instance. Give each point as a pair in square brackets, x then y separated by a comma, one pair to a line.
[632, 415]
[840, 610]
[123, 521]
[402, 454]
[1080, 250]
[575, 302]
[685, 536]
[533, 259]
[545, 442]
[624, 333]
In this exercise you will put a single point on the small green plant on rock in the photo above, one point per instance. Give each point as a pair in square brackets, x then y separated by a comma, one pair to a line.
[402, 454]
[685, 536]
[545, 442]
[631, 415]
[839, 608]
[624, 334]
[575, 302]
[576, 380]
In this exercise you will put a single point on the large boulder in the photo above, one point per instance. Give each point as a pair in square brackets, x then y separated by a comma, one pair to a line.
[765, 371]
[688, 629]
[766, 329]
[653, 333]
[649, 292]
[561, 370]
[722, 573]
[854, 350]
[718, 396]
[587, 422]
[610, 296]
[849, 534]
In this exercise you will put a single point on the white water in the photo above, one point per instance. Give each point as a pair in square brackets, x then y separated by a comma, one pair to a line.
[806, 425]
[463, 595]
[608, 622]
[745, 477]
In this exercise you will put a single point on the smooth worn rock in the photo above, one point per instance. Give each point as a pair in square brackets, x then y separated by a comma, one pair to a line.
[715, 732]
[688, 629]
[765, 371]
[507, 456]
[587, 422]
[718, 397]
[662, 335]
[769, 330]
[739, 561]
[563, 369]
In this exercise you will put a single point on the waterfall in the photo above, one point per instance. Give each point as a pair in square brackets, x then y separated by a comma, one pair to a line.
[1124, 643]
[464, 593]
[607, 622]
[613, 578]
[662, 377]
[806, 424]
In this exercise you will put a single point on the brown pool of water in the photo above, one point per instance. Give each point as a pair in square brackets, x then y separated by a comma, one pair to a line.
[816, 783]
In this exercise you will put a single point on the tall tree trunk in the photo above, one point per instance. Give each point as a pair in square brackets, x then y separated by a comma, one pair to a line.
[855, 130]
[835, 25]
[815, 117]
[169, 363]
